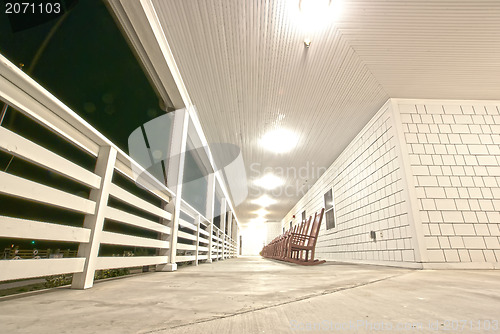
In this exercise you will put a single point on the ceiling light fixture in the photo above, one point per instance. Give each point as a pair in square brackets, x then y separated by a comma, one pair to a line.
[279, 141]
[314, 8]
[269, 182]
[261, 212]
[314, 15]
[264, 201]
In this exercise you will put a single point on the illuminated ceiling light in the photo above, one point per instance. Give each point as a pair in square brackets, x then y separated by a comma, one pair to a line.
[264, 201]
[314, 7]
[269, 181]
[261, 212]
[317, 14]
[279, 141]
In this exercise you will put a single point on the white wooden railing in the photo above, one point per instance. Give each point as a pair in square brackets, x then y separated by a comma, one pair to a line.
[199, 231]
[206, 241]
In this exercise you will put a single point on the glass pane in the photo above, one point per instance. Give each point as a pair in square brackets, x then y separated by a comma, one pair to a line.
[194, 188]
[330, 219]
[328, 200]
[217, 206]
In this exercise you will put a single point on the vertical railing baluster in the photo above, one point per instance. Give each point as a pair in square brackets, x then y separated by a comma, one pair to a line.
[210, 212]
[198, 226]
[223, 224]
[104, 168]
[175, 174]
[218, 245]
[228, 228]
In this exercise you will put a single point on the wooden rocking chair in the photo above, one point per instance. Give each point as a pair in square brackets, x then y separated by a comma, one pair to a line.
[305, 242]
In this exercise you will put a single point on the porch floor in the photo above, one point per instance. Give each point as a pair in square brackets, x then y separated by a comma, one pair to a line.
[255, 295]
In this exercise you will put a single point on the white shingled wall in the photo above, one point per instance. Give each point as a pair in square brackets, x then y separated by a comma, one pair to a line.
[425, 176]
[273, 230]
[369, 193]
[454, 153]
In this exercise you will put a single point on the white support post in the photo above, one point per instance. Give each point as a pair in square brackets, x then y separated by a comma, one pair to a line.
[104, 168]
[218, 242]
[237, 240]
[210, 212]
[235, 232]
[175, 175]
[223, 224]
[229, 232]
[229, 225]
[198, 226]
[164, 236]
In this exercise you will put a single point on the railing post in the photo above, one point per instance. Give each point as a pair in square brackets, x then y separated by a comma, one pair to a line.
[175, 175]
[198, 224]
[164, 236]
[210, 241]
[210, 211]
[229, 228]
[104, 168]
[218, 242]
[233, 237]
[237, 242]
[223, 224]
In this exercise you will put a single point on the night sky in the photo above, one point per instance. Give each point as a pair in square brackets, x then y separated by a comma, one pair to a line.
[89, 66]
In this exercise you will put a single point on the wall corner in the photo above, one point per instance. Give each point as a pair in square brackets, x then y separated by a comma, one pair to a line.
[409, 193]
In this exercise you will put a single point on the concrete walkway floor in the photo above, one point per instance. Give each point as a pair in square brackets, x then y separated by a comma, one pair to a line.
[254, 295]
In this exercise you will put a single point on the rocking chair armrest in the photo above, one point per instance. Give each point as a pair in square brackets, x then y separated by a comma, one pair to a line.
[298, 238]
[302, 235]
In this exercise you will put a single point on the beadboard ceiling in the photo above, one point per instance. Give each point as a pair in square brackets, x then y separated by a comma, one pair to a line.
[247, 71]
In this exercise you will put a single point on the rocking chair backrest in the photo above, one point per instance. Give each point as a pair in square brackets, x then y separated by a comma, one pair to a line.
[305, 230]
[301, 228]
[315, 229]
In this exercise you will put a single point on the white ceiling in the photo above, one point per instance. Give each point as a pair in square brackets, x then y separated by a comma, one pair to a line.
[246, 69]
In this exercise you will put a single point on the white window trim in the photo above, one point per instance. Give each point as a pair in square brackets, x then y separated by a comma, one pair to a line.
[332, 208]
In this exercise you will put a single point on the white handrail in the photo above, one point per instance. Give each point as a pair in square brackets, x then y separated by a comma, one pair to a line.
[190, 211]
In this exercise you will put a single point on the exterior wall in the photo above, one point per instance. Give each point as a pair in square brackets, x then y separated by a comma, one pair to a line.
[425, 176]
[369, 195]
[454, 154]
[273, 230]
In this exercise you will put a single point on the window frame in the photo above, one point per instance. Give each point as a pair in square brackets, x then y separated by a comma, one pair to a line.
[332, 209]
